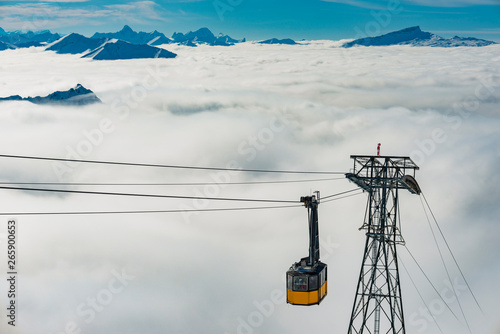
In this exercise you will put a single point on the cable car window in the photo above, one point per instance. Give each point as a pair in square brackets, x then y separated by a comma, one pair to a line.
[289, 283]
[313, 283]
[300, 283]
[322, 276]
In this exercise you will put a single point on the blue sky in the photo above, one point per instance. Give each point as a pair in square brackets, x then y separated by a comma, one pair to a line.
[259, 19]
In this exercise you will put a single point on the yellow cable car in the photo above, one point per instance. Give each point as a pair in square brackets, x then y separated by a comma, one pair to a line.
[307, 279]
[306, 285]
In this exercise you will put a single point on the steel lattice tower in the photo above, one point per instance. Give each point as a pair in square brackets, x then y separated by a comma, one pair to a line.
[378, 306]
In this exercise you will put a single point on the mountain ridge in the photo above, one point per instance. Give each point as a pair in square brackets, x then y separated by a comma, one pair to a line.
[204, 36]
[191, 38]
[106, 48]
[18, 39]
[414, 36]
[129, 35]
[78, 95]
[287, 41]
[75, 43]
[118, 49]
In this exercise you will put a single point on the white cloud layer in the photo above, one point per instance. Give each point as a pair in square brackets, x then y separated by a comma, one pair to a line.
[281, 107]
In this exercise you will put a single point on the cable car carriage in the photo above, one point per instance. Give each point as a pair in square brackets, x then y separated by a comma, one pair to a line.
[307, 279]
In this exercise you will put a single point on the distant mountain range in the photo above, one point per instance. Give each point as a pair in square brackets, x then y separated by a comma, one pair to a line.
[204, 36]
[129, 35]
[200, 36]
[16, 39]
[74, 96]
[129, 44]
[123, 44]
[414, 36]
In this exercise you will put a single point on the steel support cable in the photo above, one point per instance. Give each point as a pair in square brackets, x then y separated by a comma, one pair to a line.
[452, 255]
[341, 193]
[446, 267]
[161, 196]
[167, 166]
[154, 211]
[421, 297]
[430, 282]
[143, 211]
[337, 198]
[167, 184]
[148, 195]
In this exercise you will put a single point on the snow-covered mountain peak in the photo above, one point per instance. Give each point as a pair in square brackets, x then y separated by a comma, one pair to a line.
[414, 36]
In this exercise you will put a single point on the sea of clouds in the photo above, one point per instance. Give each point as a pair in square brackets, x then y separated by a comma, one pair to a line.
[306, 107]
